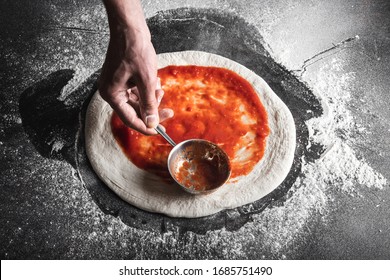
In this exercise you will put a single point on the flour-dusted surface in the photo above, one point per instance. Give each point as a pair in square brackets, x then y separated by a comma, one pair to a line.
[150, 193]
[338, 205]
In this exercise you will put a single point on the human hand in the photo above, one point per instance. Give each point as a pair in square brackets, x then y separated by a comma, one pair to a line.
[128, 81]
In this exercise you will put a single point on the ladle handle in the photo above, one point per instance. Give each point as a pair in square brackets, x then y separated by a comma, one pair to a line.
[163, 134]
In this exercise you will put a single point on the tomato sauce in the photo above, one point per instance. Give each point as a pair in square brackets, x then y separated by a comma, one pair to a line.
[210, 103]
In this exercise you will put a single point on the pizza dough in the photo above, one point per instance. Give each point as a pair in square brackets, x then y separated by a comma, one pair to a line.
[149, 192]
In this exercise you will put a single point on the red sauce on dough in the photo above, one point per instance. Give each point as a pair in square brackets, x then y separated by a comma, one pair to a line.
[210, 103]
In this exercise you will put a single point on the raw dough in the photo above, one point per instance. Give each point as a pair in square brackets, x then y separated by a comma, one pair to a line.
[149, 192]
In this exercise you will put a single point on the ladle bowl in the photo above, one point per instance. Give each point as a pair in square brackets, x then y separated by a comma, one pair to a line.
[198, 166]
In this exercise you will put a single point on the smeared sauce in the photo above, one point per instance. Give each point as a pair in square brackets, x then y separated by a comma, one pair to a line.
[210, 103]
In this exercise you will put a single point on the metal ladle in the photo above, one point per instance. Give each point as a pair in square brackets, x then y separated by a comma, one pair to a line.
[198, 166]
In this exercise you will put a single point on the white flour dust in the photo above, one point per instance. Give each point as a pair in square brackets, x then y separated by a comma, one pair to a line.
[276, 232]
[335, 129]
[337, 170]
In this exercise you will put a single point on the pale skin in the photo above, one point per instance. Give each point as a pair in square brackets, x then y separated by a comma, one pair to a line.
[129, 81]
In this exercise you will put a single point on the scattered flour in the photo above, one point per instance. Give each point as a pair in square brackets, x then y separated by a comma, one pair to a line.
[334, 130]
[276, 232]
[56, 145]
[337, 169]
[10, 119]
[80, 75]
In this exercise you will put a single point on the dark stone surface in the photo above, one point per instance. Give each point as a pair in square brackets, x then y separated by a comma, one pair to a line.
[53, 205]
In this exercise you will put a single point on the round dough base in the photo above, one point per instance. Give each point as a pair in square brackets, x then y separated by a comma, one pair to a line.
[149, 192]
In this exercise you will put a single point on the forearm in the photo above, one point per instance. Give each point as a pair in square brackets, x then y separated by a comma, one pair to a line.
[126, 16]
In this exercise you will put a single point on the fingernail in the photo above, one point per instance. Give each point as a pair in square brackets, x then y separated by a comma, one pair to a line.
[151, 121]
[160, 97]
[158, 85]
